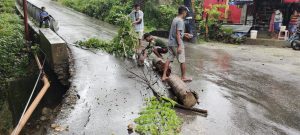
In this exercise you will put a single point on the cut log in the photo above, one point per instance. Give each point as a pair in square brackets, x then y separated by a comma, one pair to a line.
[181, 90]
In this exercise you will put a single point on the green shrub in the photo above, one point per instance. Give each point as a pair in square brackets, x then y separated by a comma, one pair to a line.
[6, 6]
[159, 16]
[122, 45]
[167, 14]
[12, 57]
[155, 15]
[106, 10]
[94, 43]
[116, 13]
[158, 118]
[69, 3]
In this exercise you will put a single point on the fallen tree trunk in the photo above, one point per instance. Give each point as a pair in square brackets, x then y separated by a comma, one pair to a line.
[156, 94]
[180, 89]
[177, 105]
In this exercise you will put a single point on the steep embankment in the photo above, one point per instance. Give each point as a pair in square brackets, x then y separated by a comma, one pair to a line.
[13, 59]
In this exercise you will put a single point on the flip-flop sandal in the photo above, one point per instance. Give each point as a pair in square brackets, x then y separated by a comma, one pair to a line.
[187, 80]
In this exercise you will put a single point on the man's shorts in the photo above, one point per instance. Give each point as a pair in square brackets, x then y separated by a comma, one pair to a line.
[277, 27]
[293, 28]
[173, 54]
[140, 34]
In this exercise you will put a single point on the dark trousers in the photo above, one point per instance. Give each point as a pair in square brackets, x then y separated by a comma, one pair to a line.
[46, 20]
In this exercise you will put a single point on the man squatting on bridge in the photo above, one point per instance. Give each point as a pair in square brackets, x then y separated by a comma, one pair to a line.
[44, 17]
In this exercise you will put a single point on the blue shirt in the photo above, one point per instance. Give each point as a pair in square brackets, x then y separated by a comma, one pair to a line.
[43, 14]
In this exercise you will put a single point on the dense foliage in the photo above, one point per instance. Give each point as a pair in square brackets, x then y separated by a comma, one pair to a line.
[106, 10]
[159, 16]
[12, 58]
[158, 118]
[156, 16]
[11, 46]
[122, 45]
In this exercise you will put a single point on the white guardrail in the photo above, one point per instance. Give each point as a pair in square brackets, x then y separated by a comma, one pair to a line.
[34, 12]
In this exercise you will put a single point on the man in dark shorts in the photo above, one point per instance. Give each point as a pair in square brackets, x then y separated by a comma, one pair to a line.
[159, 47]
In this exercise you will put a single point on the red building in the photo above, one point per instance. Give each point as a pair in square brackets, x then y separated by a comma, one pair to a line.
[234, 12]
[291, 1]
[256, 13]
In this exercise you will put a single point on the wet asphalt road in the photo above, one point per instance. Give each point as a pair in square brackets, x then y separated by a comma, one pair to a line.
[109, 99]
[246, 89]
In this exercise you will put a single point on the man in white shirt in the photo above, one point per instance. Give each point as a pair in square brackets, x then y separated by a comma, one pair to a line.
[278, 21]
[137, 17]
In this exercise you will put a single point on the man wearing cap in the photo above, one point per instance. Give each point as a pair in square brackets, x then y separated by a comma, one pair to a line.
[176, 45]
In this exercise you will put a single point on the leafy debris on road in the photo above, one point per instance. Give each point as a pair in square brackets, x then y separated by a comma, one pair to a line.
[158, 118]
[122, 45]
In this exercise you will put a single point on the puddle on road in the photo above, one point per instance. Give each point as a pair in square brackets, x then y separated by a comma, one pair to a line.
[228, 113]
[219, 108]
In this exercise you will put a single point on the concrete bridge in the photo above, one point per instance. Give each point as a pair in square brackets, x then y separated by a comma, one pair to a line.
[54, 47]
[100, 87]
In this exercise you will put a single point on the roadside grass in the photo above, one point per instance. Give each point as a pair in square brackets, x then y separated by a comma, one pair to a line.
[13, 58]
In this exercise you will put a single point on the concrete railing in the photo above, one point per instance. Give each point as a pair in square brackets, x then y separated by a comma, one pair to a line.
[55, 48]
[34, 12]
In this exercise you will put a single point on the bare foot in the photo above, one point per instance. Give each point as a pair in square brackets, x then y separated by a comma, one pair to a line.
[163, 79]
[186, 79]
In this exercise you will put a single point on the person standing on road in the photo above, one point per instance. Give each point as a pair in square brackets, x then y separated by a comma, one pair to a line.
[277, 21]
[175, 45]
[44, 17]
[293, 22]
[137, 17]
[271, 26]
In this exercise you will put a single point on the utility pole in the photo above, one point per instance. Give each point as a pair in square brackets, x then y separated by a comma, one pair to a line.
[25, 20]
